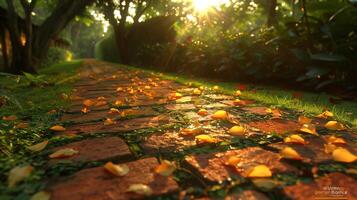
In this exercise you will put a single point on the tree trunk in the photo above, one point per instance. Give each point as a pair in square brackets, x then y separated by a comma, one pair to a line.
[272, 17]
[4, 47]
[121, 40]
[65, 11]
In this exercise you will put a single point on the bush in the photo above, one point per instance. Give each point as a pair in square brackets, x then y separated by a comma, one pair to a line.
[56, 55]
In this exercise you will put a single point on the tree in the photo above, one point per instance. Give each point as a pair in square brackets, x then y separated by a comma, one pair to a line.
[29, 46]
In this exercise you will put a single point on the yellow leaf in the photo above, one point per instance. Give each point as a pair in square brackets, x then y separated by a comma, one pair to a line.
[174, 96]
[343, 155]
[120, 89]
[118, 103]
[85, 110]
[202, 88]
[39, 146]
[9, 118]
[265, 184]
[233, 160]
[290, 153]
[326, 114]
[117, 170]
[309, 128]
[205, 139]
[191, 131]
[57, 128]
[238, 93]
[202, 112]
[329, 148]
[334, 125]
[166, 168]
[259, 171]
[268, 110]
[88, 102]
[220, 114]
[237, 130]
[335, 140]
[17, 174]
[113, 111]
[101, 98]
[101, 103]
[140, 189]
[295, 139]
[215, 87]
[108, 122]
[197, 91]
[237, 102]
[304, 120]
[42, 195]
[63, 153]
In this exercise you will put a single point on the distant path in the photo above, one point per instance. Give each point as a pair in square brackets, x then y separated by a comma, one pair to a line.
[135, 118]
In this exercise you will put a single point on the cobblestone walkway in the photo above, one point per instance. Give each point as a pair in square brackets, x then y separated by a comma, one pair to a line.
[174, 141]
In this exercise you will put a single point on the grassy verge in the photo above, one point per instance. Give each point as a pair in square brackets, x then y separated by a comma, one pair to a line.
[36, 101]
[309, 103]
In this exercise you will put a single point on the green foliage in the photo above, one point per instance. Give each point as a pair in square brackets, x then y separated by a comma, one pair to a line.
[107, 50]
[56, 55]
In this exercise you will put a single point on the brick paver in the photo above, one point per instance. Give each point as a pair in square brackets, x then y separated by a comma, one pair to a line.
[146, 126]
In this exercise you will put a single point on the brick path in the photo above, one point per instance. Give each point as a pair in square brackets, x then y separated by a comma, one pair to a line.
[137, 119]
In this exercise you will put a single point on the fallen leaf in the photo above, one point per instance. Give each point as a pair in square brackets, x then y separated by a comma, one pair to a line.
[57, 128]
[304, 120]
[113, 111]
[117, 170]
[166, 168]
[9, 118]
[108, 122]
[18, 173]
[21, 125]
[88, 102]
[140, 189]
[329, 148]
[216, 87]
[238, 93]
[295, 139]
[326, 114]
[120, 89]
[42, 195]
[334, 125]
[63, 153]
[85, 110]
[343, 155]
[202, 112]
[309, 128]
[39, 146]
[197, 91]
[101, 98]
[174, 96]
[101, 103]
[191, 131]
[201, 139]
[220, 114]
[233, 161]
[118, 103]
[335, 140]
[259, 171]
[237, 130]
[290, 153]
[238, 102]
[265, 184]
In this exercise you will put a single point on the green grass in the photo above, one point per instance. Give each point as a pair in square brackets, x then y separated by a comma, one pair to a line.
[30, 99]
[310, 104]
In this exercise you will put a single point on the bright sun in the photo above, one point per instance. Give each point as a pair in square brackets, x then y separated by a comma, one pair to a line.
[204, 5]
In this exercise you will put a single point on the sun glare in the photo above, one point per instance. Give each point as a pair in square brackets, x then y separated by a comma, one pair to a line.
[204, 5]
